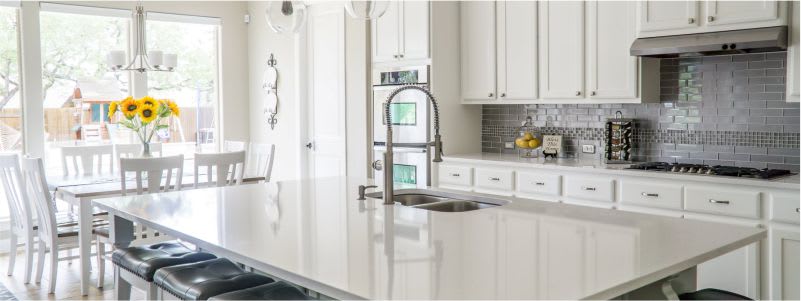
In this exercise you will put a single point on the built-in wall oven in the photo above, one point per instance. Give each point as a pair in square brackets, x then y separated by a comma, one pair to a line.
[410, 124]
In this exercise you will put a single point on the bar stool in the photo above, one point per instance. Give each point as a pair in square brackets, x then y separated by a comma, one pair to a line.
[712, 294]
[135, 266]
[273, 291]
[201, 280]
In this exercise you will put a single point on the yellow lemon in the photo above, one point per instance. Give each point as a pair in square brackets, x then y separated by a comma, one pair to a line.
[521, 143]
[528, 136]
[534, 143]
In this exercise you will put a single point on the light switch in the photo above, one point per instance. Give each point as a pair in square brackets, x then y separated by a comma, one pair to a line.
[588, 149]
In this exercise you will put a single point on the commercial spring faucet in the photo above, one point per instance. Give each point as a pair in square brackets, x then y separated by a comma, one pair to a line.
[389, 188]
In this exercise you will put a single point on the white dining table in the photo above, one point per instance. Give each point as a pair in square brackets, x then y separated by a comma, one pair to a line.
[80, 190]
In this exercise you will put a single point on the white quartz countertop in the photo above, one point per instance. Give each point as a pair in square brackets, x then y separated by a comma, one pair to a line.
[313, 233]
[594, 166]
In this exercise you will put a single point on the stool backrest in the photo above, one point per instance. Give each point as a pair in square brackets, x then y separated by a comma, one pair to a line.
[36, 183]
[19, 208]
[261, 159]
[222, 169]
[91, 159]
[154, 169]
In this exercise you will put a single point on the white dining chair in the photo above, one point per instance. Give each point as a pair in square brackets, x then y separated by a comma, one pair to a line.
[153, 170]
[235, 146]
[91, 133]
[21, 220]
[133, 150]
[221, 169]
[260, 159]
[55, 236]
[91, 159]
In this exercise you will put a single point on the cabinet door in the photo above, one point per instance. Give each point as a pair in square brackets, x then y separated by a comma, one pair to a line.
[784, 270]
[734, 12]
[793, 54]
[658, 15]
[517, 266]
[386, 35]
[611, 70]
[612, 255]
[480, 254]
[562, 49]
[562, 257]
[478, 50]
[517, 50]
[414, 30]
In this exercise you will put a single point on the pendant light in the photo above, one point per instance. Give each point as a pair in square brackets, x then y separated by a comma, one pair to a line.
[366, 10]
[285, 16]
[143, 61]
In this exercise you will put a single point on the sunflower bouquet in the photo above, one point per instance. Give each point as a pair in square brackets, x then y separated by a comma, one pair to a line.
[144, 116]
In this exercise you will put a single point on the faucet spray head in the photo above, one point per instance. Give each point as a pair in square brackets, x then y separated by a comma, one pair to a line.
[437, 148]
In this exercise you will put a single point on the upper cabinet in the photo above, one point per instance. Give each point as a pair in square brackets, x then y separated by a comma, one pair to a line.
[562, 52]
[662, 18]
[611, 28]
[402, 33]
[498, 50]
[793, 54]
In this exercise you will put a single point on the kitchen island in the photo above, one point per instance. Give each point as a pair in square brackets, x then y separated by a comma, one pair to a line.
[313, 234]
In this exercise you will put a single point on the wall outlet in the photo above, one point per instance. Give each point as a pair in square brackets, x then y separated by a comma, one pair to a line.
[588, 149]
[508, 145]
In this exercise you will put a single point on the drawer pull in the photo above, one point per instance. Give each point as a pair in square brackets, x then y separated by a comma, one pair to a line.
[796, 210]
[455, 175]
[652, 195]
[588, 188]
[495, 179]
[714, 201]
[540, 183]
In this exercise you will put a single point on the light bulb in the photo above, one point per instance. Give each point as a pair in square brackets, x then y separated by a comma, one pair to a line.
[366, 10]
[285, 16]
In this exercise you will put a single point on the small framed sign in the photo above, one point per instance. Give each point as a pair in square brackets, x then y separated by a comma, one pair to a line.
[552, 143]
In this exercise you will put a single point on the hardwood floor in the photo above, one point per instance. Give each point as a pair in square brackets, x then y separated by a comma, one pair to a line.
[67, 286]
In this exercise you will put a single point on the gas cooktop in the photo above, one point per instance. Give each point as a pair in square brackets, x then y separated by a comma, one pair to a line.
[717, 170]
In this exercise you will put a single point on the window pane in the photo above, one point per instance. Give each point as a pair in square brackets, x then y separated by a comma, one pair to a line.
[75, 76]
[193, 86]
[10, 110]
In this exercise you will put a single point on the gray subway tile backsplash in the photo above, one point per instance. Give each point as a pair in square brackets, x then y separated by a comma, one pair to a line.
[714, 110]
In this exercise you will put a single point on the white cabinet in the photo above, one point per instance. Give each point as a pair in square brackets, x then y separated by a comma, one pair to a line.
[494, 181]
[478, 50]
[611, 71]
[518, 265]
[784, 272]
[722, 200]
[665, 15]
[793, 53]
[561, 256]
[479, 249]
[647, 193]
[732, 12]
[455, 177]
[561, 49]
[402, 32]
[538, 184]
[499, 50]
[590, 188]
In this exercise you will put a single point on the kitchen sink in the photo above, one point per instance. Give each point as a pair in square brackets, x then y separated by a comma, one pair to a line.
[442, 201]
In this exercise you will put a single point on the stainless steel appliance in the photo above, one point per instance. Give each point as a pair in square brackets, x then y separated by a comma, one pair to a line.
[713, 43]
[410, 117]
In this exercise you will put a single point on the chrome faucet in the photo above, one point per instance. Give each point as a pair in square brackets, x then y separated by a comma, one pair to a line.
[388, 154]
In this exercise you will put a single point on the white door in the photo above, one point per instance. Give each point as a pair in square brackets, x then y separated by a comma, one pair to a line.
[562, 49]
[414, 29]
[517, 50]
[611, 70]
[478, 50]
[658, 15]
[386, 35]
[784, 264]
[325, 107]
[737, 12]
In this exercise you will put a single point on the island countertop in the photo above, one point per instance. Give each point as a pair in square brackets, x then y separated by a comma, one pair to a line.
[312, 233]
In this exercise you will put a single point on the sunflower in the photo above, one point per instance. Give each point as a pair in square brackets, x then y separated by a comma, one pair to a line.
[147, 113]
[174, 108]
[129, 107]
[149, 101]
[112, 109]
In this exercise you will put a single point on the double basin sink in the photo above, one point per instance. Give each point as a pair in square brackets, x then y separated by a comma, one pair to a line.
[441, 201]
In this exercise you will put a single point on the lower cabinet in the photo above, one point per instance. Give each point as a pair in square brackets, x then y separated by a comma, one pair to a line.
[784, 270]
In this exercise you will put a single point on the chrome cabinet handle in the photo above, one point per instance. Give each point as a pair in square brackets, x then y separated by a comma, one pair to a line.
[495, 179]
[491, 94]
[400, 55]
[378, 165]
[691, 20]
[653, 195]
[503, 94]
[710, 19]
[796, 210]
[588, 188]
[540, 183]
[578, 93]
[309, 145]
[395, 56]
[455, 175]
[714, 201]
[592, 93]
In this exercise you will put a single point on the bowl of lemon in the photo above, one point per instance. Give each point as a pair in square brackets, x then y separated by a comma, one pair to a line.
[528, 140]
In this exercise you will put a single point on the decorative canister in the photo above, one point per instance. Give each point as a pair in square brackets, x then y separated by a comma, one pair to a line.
[529, 140]
[618, 135]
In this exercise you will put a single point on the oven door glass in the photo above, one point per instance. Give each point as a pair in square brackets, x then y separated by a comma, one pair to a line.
[409, 111]
[410, 167]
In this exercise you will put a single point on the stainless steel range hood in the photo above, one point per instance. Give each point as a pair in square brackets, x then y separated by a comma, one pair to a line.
[713, 43]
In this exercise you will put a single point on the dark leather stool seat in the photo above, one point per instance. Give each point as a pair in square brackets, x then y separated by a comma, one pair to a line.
[274, 291]
[201, 280]
[712, 294]
[143, 261]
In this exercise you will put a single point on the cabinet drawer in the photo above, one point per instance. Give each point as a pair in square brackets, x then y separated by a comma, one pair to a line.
[495, 179]
[590, 189]
[722, 200]
[538, 183]
[456, 175]
[784, 208]
[651, 194]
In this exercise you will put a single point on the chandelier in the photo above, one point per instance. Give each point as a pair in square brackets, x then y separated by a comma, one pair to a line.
[143, 60]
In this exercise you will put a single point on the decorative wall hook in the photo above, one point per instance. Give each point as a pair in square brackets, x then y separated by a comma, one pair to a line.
[270, 85]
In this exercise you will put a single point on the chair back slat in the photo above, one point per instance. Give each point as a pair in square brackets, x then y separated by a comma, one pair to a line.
[91, 158]
[36, 183]
[235, 146]
[153, 169]
[221, 168]
[13, 186]
[261, 159]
